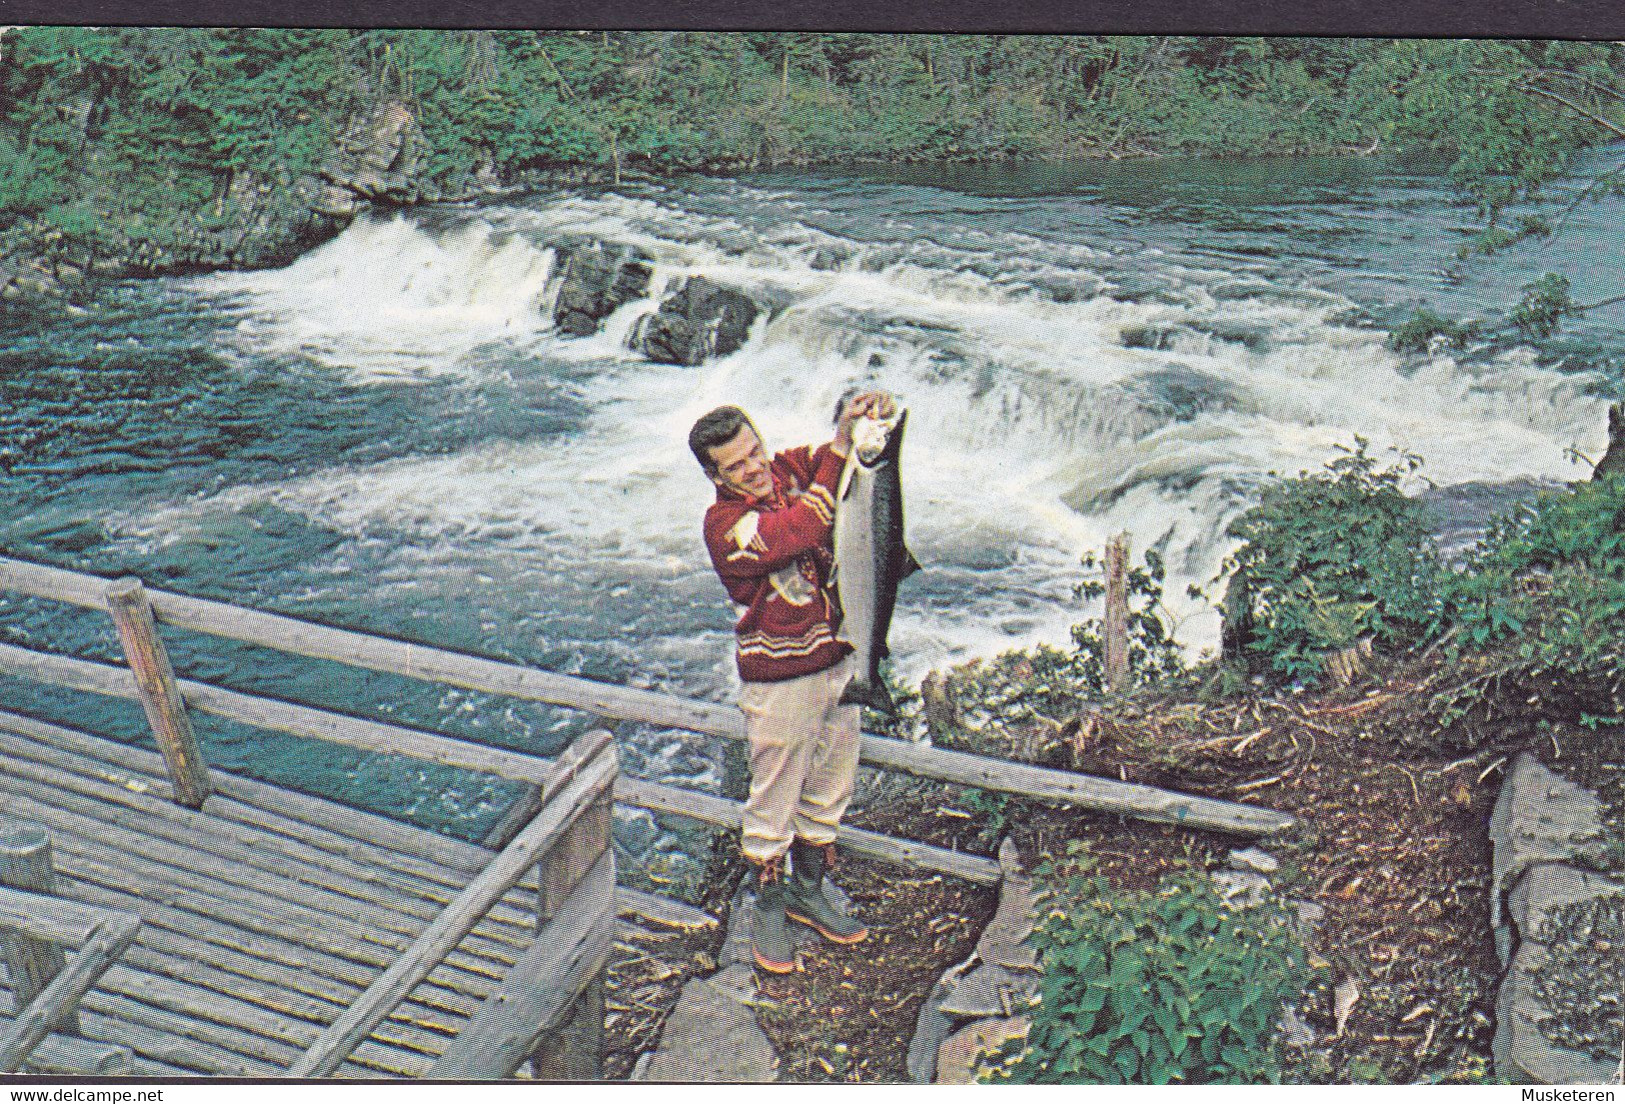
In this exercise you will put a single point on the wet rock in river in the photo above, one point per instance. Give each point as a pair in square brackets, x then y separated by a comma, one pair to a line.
[700, 320]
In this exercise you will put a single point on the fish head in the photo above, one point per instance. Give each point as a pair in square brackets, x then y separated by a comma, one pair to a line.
[877, 439]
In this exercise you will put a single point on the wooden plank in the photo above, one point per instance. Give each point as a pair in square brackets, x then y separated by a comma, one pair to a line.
[160, 698]
[389, 845]
[574, 1049]
[520, 813]
[63, 994]
[48, 918]
[65, 1054]
[127, 822]
[544, 984]
[377, 653]
[169, 1052]
[1041, 783]
[256, 1031]
[281, 716]
[1101, 794]
[32, 955]
[420, 1031]
[304, 969]
[460, 916]
[725, 814]
[665, 911]
[259, 826]
[172, 1037]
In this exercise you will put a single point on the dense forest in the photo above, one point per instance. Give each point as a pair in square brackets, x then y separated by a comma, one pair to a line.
[111, 137]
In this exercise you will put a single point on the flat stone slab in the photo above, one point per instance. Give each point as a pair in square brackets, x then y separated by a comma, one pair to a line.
[1523, 1053]
[995, 983]
[1003, 941]
[1539, 817]
[958, 1054]
[989, 990]
[712, 1035]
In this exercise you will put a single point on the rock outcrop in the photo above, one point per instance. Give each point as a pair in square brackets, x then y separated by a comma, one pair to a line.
[1543, 825]
[977, 1005]
[265, 219]
[595, 279]
[701, 319]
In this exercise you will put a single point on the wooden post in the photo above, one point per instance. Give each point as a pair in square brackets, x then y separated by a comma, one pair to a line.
[160, 697]
[575, 1050]
[59, 999]
[1115, 628]
[25, 863]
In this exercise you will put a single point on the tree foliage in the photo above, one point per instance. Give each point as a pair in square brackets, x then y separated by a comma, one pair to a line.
[148, 119]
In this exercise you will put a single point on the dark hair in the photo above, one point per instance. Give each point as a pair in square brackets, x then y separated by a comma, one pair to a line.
[716, 428]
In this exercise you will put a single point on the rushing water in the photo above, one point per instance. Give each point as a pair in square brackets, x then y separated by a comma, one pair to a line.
[387, 434]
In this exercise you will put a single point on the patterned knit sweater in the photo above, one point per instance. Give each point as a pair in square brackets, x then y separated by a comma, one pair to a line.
[773, 556]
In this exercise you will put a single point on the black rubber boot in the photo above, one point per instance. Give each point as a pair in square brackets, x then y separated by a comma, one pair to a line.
[770, 942]
[806, 901]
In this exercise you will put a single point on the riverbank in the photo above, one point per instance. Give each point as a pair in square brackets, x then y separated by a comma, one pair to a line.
[1392, 856]
[150, 151]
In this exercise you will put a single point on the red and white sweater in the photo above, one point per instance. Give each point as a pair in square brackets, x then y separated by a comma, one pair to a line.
[773, 556]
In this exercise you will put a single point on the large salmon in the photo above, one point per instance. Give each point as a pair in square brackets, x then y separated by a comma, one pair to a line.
[870, 558]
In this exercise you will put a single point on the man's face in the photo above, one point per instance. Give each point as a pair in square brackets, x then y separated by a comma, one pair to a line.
[743, 465]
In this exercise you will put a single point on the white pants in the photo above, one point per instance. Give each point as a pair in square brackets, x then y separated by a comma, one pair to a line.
[803, 760]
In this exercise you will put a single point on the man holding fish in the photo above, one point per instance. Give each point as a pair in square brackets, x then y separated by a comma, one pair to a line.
[771, 535]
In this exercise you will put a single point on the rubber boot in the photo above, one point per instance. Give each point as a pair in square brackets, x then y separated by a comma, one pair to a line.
[806, 901]
[770, 942]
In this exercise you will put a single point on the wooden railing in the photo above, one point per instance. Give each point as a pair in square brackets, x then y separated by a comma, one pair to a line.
[45, 987]
[614, 703]
[561, 827]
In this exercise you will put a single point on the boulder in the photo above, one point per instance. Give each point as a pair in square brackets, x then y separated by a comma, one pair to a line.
[373, 161]
[1613, 460]
[1241, 889]
[1255, 859]
[712, 1035]
[594, 280]
[701, 319]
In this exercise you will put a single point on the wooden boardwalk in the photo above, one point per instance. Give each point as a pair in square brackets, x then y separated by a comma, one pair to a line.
[266, 913]
[277, 933]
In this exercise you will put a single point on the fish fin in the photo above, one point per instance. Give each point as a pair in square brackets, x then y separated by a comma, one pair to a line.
[907, 564]
[870, 692]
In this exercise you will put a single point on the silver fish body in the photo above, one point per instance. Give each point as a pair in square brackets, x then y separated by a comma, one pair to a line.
[870, 560]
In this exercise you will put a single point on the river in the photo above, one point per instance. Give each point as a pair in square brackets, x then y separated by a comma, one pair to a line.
[388, 434]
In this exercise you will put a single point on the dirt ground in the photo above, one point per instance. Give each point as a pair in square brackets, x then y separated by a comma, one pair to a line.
[1391, 841]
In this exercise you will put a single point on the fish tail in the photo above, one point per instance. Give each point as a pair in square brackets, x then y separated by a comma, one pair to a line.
[870, 692]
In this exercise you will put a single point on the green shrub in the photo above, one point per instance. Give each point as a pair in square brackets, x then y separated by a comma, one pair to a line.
[1547, 583]
[1334, 555]
[1153, 987]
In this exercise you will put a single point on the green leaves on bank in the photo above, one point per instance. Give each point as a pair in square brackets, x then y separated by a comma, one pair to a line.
[1154, 987]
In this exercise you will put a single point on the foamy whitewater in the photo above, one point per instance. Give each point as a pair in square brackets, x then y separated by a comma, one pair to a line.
[1068, 377]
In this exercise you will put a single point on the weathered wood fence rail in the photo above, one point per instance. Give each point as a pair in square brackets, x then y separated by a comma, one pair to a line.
[616, 703]
[549, 1004]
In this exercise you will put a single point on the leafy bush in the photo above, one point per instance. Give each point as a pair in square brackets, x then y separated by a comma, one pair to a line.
[1548, 582]
[1154, 987]
[1331, 556]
